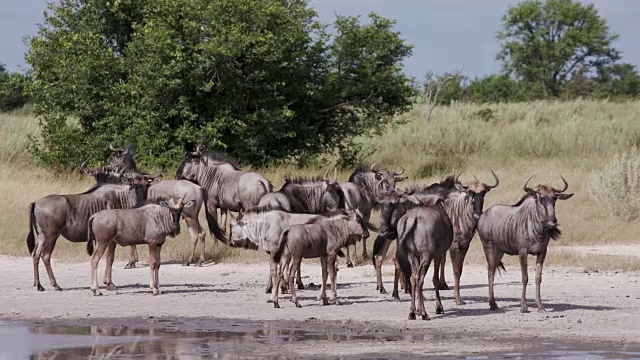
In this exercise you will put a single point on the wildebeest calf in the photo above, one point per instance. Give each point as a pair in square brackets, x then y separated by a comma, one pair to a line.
[323, 238]
[148, 224]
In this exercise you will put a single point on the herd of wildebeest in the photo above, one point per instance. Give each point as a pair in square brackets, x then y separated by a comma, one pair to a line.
[309, 217]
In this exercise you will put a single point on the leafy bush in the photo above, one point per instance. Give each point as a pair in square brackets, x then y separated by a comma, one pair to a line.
[263, 80]
[617, 185]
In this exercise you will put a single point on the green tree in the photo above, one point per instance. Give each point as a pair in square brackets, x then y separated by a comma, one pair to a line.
[618, 81]
[546, 43]
[262, 79]
[11, 90]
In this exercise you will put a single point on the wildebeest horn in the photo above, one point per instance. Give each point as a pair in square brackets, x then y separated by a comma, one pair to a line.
[111, 147]
[401, 171]
[197, 152]
[457, 178]
[374, 166]
[497, 181]
[566, 186]
[326, 174]
[335, 174]
[526, 188]
[83, 167]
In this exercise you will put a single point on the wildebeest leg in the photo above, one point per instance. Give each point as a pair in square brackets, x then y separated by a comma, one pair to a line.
[539, 264]
[333, 273]
[197, 238]
[101, 246]
[46, 259]
[294, 266]
[153, 266]
[111, 251]
[133, 257]
[457, 261]
[366, 214]
[348, 256]
[425, 262]
[436, 262]
[157, 272]
[299, 277]
[269, 284]
[277, 283]
[37, 253]
[525, 280]
[443, 283]
[378, 259]
[489, 253]
[397, 277]
[224, 213]
[414, 287]
[323, 287]
[273, 273]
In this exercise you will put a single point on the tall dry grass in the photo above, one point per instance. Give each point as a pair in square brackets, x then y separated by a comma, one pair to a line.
[541, 138]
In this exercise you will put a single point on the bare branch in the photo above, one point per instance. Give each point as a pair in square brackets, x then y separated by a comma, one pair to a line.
[434, 86]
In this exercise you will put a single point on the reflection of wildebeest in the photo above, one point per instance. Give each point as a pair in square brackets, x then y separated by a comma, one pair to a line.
[228, 188]
[164, 188]
[148, 224]
[323, 238]
[68, 215]
[522, 229]
[366, 186]
[424, 234]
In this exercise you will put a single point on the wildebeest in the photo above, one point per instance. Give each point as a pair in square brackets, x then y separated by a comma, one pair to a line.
[363, 191]
[121, 159]
[261, 229]
[521, 229]
[68, 215]
[424, 234]
[311, 195]
[228, 188]
[319, 237]
[172, 188]
[147, 224]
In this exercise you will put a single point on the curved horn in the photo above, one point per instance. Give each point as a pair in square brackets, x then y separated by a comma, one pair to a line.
[457, 178]
[525, 187]
[373, 167]
[198, 151]
[475, 177]
[83, 167]
[497, 181]
[566, 186]
[401, 171]
[335, 174]
[326, 174]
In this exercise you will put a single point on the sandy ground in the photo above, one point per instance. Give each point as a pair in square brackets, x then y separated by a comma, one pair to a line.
[615, 250]
[599, 307]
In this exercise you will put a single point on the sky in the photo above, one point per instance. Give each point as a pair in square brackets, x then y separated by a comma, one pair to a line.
[447, 35]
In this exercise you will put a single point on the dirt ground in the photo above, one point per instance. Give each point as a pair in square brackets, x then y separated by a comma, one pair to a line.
[600, 307]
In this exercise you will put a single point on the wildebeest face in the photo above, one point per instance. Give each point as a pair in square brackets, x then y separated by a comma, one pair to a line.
[476, 191]
[102, 175]
[140, 183]
[122, 158]
[240, 236]
[188, 170]
[386, 180]
[546, 197]
[355, 225]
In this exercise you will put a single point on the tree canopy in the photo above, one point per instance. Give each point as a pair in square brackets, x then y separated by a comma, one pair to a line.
[261, 79]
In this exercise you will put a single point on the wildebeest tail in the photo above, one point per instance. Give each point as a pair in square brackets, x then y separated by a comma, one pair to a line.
[90, 237]
[212, 222]
[500, 267]
[33, 231]
[284, 237]
[377, 247]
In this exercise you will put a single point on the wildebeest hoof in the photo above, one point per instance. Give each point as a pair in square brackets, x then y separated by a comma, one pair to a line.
[412, 316]
[444, 286]
[439, 310]
[349, 264]
[425, 317]
[301, 286]
[267, 291]
[395, 296]
[96, 292]
[298, 305]
[269, 301]
[39, 287]
[186, 263]
[276, 305]
[493, 306]
[541, 309]
[383, 290]
[57, 287]
[524, 309]
[130, 266]
[365, 256]
[460, 302]
[156, 292]
[199, 263]
[111, 286]
[325, 301]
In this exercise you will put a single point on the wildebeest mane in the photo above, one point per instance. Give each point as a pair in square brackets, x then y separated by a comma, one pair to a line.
[522, 199]
[263, 209]
[155, 201]
[301, 180]
[222, 157]
[94, 188]
[361, 168]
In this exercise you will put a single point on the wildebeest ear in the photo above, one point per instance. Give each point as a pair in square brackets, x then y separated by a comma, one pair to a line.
[378, 175]
[402, 178]
[189, 203]
[564, 196]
